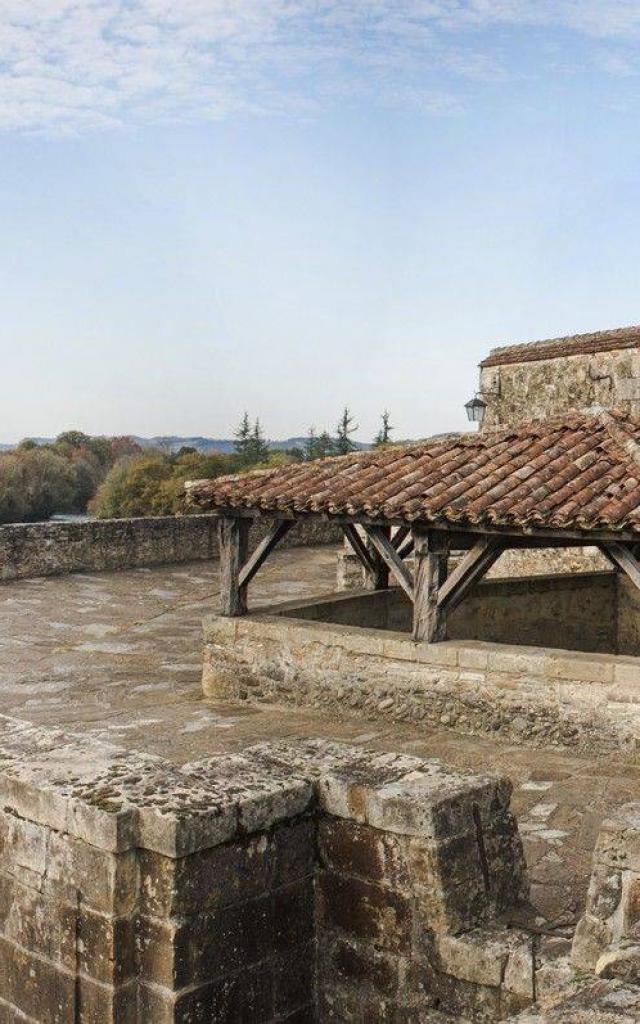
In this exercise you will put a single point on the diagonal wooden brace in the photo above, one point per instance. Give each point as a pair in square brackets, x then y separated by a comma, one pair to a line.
[263, 550]
[621, 556]
[468, 572]
[359, 547]
[390, 556]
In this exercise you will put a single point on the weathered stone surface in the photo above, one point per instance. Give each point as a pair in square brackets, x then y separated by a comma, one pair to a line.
[607, 938]
[597, 1003]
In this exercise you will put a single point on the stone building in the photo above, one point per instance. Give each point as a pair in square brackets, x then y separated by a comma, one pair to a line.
[579, 373]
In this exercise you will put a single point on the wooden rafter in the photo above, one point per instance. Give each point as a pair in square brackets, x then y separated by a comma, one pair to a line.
[385, 549]
[263, 550]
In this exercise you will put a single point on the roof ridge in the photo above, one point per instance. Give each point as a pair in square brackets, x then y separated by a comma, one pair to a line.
[629, 444]
[586, 343]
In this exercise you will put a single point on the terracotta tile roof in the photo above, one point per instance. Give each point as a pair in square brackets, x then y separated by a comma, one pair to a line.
[572, 345]
[577, 472]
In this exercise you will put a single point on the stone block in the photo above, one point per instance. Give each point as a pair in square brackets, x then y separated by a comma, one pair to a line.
[622, 963]
[443, 653]
[363, 910]
[360, 965]
[491, 958]
[474, 659]
[63, 866]
[246, 995]
[518, 660]
[347, 848]
[222, 677]
[591, 939]
[294, 978]
[36, 987]
[243, 869]
[627, 673]
[588, 668]
[179, 952]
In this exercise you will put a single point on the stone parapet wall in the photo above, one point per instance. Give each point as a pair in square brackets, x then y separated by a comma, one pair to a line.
[587, 702]
[290, 883]
[30, 550]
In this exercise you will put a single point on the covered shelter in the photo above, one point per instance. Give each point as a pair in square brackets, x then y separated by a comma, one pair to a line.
[568, 481]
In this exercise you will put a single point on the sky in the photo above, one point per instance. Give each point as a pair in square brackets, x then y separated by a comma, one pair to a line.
[289, 206]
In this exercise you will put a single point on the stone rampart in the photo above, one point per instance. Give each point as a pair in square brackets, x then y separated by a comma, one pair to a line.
[48, 549]
[307, 883]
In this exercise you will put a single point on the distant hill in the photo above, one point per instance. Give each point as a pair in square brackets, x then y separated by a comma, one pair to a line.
[173, 443]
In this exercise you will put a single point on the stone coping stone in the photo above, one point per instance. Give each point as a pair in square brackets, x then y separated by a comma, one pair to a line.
[117, 799]
[603, 1002]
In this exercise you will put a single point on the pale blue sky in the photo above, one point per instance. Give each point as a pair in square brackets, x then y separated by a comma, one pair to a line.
[289, 205]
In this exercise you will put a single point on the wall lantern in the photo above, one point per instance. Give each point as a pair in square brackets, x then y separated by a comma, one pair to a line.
[476, 409]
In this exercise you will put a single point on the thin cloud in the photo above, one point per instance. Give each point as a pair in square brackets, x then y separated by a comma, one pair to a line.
[80, 65]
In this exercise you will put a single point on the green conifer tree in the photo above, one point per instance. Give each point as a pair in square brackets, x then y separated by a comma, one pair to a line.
[345, 428]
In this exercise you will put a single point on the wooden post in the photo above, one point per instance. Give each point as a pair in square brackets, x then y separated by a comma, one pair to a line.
[233, 536]
[380, 575]
[431, 561]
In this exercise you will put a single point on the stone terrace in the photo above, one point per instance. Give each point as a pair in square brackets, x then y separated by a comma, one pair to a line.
[118, 656]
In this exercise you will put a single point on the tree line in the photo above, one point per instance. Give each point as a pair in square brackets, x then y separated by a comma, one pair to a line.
[38, 480]
[115, 477]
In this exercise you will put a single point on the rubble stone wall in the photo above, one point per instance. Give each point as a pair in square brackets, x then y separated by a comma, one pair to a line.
[301, 883]
[49, 549]
[587, 702]
[517, 392]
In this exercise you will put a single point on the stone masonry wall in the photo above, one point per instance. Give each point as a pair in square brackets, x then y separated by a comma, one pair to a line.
[290, 883]
[587, 702]
[516, 392]
[578, 612]
[49, 549]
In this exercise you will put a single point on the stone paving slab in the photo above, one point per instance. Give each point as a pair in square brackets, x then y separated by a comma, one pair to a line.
[117, 657]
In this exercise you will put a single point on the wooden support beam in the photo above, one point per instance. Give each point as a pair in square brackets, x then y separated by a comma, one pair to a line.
[233, 536]
[469, 571]
[621, 556]
[263, 550]
[360, 548]
[431, 558]
[379, 539]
